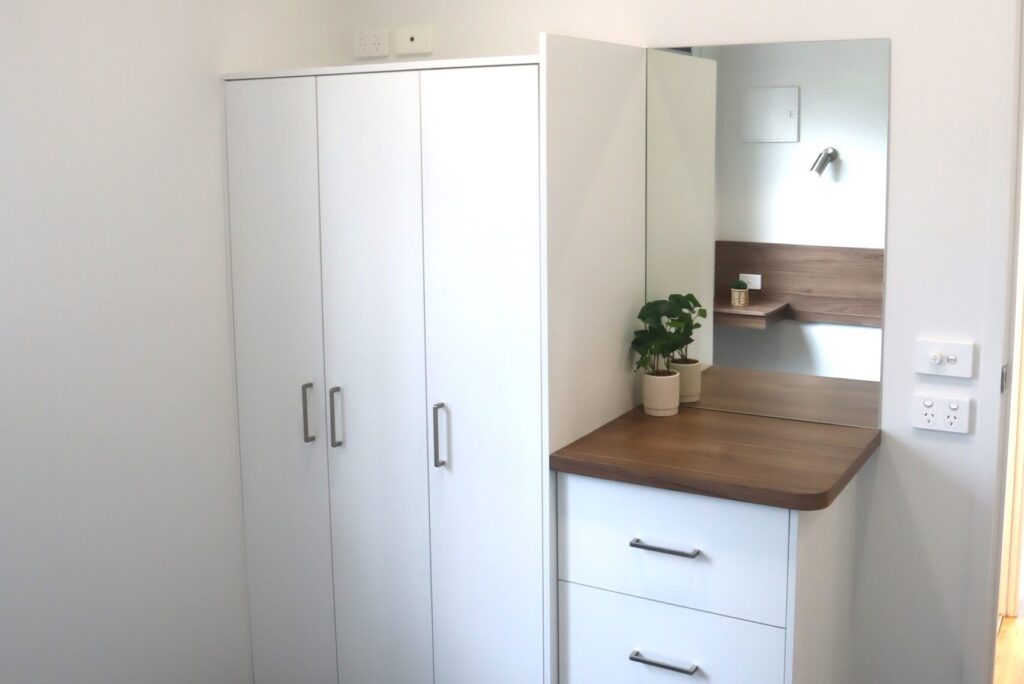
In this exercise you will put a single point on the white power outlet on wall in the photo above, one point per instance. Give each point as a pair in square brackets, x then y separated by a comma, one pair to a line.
[371, 43]
[945, 414]
[753, 280]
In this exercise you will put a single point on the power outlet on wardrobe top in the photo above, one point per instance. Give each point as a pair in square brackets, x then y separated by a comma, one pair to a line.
[371, 43]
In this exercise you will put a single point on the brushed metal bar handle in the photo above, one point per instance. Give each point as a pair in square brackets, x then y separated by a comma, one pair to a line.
[437, 438]
[637, 657]
[335, 442]
[306, 437]
[637, 544]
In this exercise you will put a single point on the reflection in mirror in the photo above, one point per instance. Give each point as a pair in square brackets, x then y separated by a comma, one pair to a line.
[767, 177]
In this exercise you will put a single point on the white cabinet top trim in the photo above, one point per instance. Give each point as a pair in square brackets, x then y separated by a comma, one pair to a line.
[373, 67]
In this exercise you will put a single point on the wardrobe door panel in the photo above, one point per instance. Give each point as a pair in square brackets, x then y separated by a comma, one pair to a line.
[275, 265]
[373, 333]
[483, 341]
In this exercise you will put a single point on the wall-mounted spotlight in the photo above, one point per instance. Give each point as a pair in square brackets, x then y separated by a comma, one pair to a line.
[827, 156]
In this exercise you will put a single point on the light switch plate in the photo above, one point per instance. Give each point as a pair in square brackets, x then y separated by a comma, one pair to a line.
[951, 359]
[945, 414]
[413, 40]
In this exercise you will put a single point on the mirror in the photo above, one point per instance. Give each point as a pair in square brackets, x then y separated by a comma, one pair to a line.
[768, 164]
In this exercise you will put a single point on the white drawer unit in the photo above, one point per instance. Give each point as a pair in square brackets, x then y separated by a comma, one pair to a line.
[719, 556]
[609, 638]
[747, 593]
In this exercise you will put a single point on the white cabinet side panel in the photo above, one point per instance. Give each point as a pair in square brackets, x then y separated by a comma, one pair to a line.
[595, 94]
[373, 334]
[482, 275]
[822, 593]
[275, 263]
[681, 183]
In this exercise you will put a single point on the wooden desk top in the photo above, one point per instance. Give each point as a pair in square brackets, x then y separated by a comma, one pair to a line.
[836, 401]
[791, 464]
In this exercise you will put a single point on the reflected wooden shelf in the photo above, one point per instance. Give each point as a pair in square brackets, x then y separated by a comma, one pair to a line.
[836, 401]
[758, 315]
[820, 284]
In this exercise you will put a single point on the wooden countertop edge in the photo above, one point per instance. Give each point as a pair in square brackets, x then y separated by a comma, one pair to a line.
[566, 462]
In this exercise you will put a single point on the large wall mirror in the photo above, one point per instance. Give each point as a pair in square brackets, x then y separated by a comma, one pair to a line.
[767, 164]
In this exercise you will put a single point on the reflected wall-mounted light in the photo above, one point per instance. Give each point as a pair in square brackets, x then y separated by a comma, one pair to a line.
[827, 156]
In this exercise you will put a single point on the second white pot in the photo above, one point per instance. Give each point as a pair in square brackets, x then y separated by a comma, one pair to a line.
[689, 380]
[661, 394]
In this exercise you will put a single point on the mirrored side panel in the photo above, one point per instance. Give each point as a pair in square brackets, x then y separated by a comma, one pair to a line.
[766, 198]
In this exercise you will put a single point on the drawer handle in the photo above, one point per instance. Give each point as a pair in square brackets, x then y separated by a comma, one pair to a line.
[637, 544]
[637, 657]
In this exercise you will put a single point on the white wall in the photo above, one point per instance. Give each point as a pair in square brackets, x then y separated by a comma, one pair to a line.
[834, 351]
[928, 537]
[765, 191]
[827, 349]
[275, 34]
[120, 514]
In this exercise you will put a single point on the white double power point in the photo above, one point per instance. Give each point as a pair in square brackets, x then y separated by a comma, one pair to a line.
[945, 414]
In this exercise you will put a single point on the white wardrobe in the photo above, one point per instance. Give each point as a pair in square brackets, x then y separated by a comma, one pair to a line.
[394, 262]
[388, 337]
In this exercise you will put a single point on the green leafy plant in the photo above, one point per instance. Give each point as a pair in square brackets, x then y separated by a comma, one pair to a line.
[739, 285]
[667, 332]
[686, 319]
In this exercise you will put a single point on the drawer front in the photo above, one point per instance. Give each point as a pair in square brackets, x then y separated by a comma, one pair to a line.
[600, 630]
[744, 548]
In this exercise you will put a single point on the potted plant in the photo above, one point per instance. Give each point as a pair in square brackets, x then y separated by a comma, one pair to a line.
[655, 345]
[740, 293]
[684, 318]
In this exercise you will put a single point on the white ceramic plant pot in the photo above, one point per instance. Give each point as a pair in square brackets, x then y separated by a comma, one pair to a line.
[689, 380]
[661, 394]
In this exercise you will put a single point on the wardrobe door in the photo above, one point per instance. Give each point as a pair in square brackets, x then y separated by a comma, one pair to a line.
[482, 278]
[373, 333]
[275, 265]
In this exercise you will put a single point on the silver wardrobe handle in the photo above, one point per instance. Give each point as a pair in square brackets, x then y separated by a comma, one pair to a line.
[637, 657]
[306, 437]
[437, 437]
[637, 544]
[335, 442]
